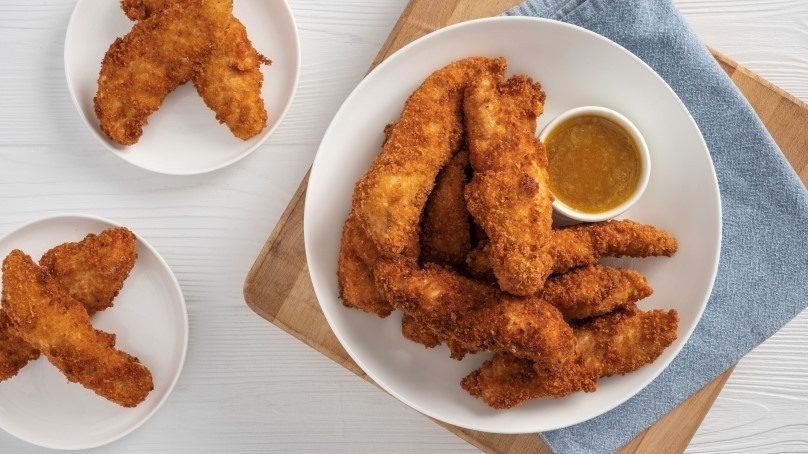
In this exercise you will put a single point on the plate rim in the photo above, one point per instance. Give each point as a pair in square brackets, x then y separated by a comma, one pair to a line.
[265, 135]
[718, 234]
[180, 365]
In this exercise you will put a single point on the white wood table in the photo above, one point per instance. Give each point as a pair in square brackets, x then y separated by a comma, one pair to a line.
[247, 386]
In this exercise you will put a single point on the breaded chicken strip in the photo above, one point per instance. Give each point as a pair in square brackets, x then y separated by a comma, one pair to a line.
[625, 340]
[390, 197]
[446, 224]
[142, 9]
[617, 343]
[508, 194]
[94, 269]
[230, 79]
[419, 332]
[594, 290]
[585, 244]
[14, 351]
[473, 316]
[154, 58]
[60, 328]
[357, 257]
[506, 381]
[91, 271]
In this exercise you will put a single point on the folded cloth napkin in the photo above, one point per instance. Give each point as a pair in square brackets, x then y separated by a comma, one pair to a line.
[761, 282]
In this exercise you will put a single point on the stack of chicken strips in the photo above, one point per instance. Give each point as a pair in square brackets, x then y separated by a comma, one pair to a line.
[452, 225]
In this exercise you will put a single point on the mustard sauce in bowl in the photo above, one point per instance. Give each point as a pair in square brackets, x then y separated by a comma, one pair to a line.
[597, 161]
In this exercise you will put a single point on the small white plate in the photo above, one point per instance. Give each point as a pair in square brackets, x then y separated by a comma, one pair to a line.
[183, 137]
[150, 321]
[575, 67]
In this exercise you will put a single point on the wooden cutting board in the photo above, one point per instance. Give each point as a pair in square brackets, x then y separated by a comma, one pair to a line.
[278, 287]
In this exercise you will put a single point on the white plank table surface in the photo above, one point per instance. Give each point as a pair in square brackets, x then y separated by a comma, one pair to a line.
[247, 386]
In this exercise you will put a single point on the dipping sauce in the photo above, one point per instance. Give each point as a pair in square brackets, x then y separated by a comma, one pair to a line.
[594, 164]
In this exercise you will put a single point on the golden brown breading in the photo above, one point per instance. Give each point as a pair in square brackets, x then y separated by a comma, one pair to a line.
[390, 197]
[594, 290]
[91, 271]
[158, 55]
[419, 332]
[357, 256]
[59, 327]
[617, 343]
[508, 194]
[506, 381]
[625, 340]
[446, 224]
[94, 269]
[14, 351]
[230, 79]
[585, 244]
[142, 9]
[475, 316]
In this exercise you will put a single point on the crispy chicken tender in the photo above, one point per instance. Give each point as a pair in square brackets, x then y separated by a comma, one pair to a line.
[446, 224]
[94, 269]
[91, 271]
[14, 351]
[60, 328]
[617, 343]
[585, 244]
[419, 332]
[142, 9]
[506, 381]
[508, 194]
[357, 257]
[473, 316]
[158, 55]
[230, 79]
[594, 290]
[625, 340]
[390, 197]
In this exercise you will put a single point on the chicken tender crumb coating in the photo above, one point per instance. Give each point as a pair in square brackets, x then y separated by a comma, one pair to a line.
[616, 343]
[508, 194]
[475, 316]
[446, 224]
[625, 340]
[94, 269]
[357, 256]
[59, 327]
[506, 381]
[91, 271]
[229, 80]
[389, 199]
[142, 68]
[419, 332]
[14, 351]
[594, 290]
[585, 244]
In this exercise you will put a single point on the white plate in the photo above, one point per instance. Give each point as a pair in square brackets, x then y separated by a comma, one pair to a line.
[576, 67]
[183, 137]
[149, 317]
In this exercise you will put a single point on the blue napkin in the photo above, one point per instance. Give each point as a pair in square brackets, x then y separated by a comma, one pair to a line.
[761, 282]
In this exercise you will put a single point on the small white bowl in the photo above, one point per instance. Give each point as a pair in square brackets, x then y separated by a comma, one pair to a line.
[564, 212]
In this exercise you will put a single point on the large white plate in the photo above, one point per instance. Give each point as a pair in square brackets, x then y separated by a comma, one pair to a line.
[576, 67]
[183, 137]
[149, 317]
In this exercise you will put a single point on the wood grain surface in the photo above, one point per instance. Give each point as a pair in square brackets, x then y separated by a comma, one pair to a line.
[278, 286]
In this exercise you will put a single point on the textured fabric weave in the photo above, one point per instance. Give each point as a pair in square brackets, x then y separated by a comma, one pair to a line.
[761, 282]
